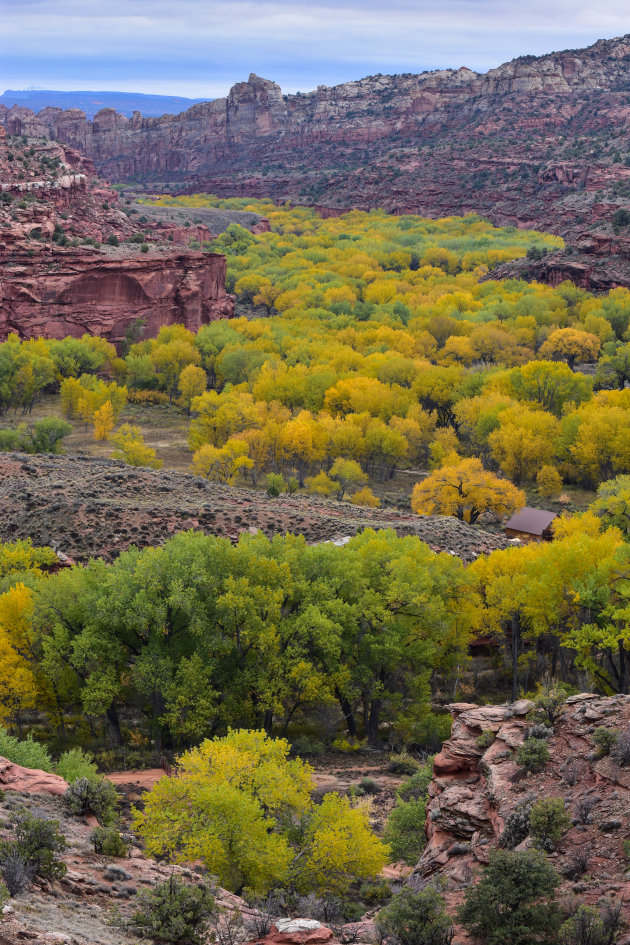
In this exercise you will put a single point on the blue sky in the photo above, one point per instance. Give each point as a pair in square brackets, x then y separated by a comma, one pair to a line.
[200, 48]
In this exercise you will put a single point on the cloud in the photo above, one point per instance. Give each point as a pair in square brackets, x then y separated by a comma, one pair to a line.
[201, 47]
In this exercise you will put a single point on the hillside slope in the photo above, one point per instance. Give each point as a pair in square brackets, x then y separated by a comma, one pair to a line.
[539, 141]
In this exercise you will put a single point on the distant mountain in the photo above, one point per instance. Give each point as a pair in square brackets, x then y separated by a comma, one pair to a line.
[126, 103]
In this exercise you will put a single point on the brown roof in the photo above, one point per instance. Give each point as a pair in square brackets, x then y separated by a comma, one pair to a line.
[532, 521]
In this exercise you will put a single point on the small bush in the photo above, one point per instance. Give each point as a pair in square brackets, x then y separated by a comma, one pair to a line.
[587, 926]
[112, 240]
[540, 730]
[93, 796]
[144, 248]
[403, 763]
[275, 484]
[108, 841]
[405, 831]
[605, 739]
[621, 751]
[32, 851]
[174, 912]
[516, 827]
[548, 822]
[416, 918]
[28, 753]
[514, 901]
[549, 702]
[369, 786]
[75, 764]
[308, 746]
[417, 786]
[5, 895]
[533, 754]
[485, 739]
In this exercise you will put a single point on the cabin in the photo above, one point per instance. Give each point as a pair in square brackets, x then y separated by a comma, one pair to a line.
[530, 525]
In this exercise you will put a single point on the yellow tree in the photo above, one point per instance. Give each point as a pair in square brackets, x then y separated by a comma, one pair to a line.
[465, 490]
[103, 421]
[192, 383]
[132, 449]
[19, 688]
[571, 345]
[524, 441]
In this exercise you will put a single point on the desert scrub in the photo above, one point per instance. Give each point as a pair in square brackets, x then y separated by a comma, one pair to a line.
[174, 912]
[548, 822]
[533, 754]
[109, 842]
[32, 851]
[403, 763]
[93, 796]
[485, 739]
[516, 827]
[416, 918]
[605, 740]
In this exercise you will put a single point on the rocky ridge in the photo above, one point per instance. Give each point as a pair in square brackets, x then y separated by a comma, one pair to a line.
[95, 507]
[55, 282]
[537, 142]
[475, 788]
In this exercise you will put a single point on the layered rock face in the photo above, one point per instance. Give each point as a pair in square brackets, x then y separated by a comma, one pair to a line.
[476, 788]
[55, 282]
[532, 142]
[83, 292]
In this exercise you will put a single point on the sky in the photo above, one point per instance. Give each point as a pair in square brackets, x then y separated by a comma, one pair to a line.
[200, 48]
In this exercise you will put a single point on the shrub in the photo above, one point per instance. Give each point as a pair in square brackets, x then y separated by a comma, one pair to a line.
[533, 754]
[514, 901]
[112, 240]
[621, 752]
[540, 730]
[587, 926]
[516, 827]
[417, 786]
[75, 764]
[369, 786]
[275, 484]
[31, 852]
[403, 763]
[5, 895]
[305, 745]
[549, 703]
[605, 739]
[108, 841]
[485, 739]
[548, 822]
[144, 248]
[416, 918]
[405, 830]
[174, 912]
[96, 796]
[28, 753]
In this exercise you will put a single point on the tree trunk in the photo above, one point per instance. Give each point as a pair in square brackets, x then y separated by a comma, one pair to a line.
[348, 714]
[114, 726]
[373, 721]
[515, 642]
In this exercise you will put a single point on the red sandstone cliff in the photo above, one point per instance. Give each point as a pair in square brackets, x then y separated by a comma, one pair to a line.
[53, 282]
[536, 142]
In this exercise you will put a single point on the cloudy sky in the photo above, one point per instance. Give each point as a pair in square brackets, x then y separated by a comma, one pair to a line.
[200, 48]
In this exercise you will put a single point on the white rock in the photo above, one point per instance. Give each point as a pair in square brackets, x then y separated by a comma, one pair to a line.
[297, 925]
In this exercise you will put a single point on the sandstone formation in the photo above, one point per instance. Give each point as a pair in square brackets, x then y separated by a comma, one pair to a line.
[30, 780]
[476, 788]
[54, 281]
[539, 141]
[87, 507]
[73, 293]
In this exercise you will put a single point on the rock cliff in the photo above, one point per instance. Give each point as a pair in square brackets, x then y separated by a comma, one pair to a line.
[55, 277]
[477, 785]
[539, 141]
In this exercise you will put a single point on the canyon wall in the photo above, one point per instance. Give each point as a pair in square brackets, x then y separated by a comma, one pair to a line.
[532, 142]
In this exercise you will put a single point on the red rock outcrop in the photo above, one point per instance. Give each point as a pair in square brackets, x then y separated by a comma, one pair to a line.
[54, 282]
[29, 780]
[532, 142]
[69, 293]
[476, 788]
